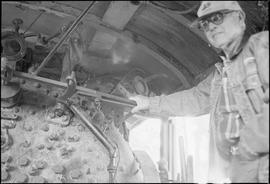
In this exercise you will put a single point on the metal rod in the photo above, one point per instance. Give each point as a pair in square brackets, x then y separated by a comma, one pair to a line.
[111, 148]
[42, 11]
[80, 90]
[67, 33]
[93, 129]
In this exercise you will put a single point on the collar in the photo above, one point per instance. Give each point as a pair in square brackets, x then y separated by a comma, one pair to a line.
[235, 51]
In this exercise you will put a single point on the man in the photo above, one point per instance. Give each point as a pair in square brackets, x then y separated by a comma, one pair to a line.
[236, 95]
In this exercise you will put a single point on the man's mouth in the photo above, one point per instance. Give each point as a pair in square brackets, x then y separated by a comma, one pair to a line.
[215, 34]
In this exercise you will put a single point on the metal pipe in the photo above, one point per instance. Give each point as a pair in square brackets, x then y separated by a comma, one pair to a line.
[67, 33]
[80, 90]
[94, 130]
[112, 149]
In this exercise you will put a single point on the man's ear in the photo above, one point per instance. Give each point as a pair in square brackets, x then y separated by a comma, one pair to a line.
[242, 19]
[242, 16]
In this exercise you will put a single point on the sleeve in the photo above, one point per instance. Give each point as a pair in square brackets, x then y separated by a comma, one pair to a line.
[254, 137]
[259, 47]
[191, 102]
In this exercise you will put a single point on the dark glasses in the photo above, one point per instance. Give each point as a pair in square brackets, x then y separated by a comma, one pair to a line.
[215, 18]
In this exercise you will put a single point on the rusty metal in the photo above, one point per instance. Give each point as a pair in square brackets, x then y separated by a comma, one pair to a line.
[67, 33]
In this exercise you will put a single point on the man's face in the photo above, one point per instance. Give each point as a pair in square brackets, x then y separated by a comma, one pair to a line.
[228, 28]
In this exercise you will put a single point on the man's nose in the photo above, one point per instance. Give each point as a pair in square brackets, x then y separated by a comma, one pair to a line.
[211, 26]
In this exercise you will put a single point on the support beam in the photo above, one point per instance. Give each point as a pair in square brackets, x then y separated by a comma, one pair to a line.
[117, 15]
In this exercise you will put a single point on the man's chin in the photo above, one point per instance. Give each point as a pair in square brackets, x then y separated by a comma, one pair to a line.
[220, 45]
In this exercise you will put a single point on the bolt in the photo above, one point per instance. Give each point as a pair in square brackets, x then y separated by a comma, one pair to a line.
[40, 164]
[65, 118]
[53, 136]
[74, 138]
[45, 127]
[47, 91]
[55, 95]
[58, 169]
[23, 81]
[52, 115]
[59, 145]
[26, 143]
[81, 128]
[33, 112]
[33, 170]
[61, 132]
[23, 162]
[37, 85]
[40, 146]
[16, 109]
[49, 146]
[28, 128]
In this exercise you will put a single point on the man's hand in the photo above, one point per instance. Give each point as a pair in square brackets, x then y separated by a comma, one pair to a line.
[142, 103]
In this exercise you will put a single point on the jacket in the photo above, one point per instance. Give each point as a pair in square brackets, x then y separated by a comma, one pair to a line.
[248, 80]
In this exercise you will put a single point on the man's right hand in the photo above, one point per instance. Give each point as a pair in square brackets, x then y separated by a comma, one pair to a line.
[143, 103]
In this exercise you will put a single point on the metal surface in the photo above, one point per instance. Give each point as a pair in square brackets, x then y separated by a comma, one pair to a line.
[68, 32]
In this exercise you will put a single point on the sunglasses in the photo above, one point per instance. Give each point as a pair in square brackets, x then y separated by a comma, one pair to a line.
[215, 18]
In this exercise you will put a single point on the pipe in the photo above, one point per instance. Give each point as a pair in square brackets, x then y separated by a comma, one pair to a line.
[80, 90]
[67, 33]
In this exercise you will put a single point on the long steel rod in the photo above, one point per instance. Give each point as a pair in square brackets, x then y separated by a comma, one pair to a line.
[93, 129]
[80, 90]
[67, 33]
